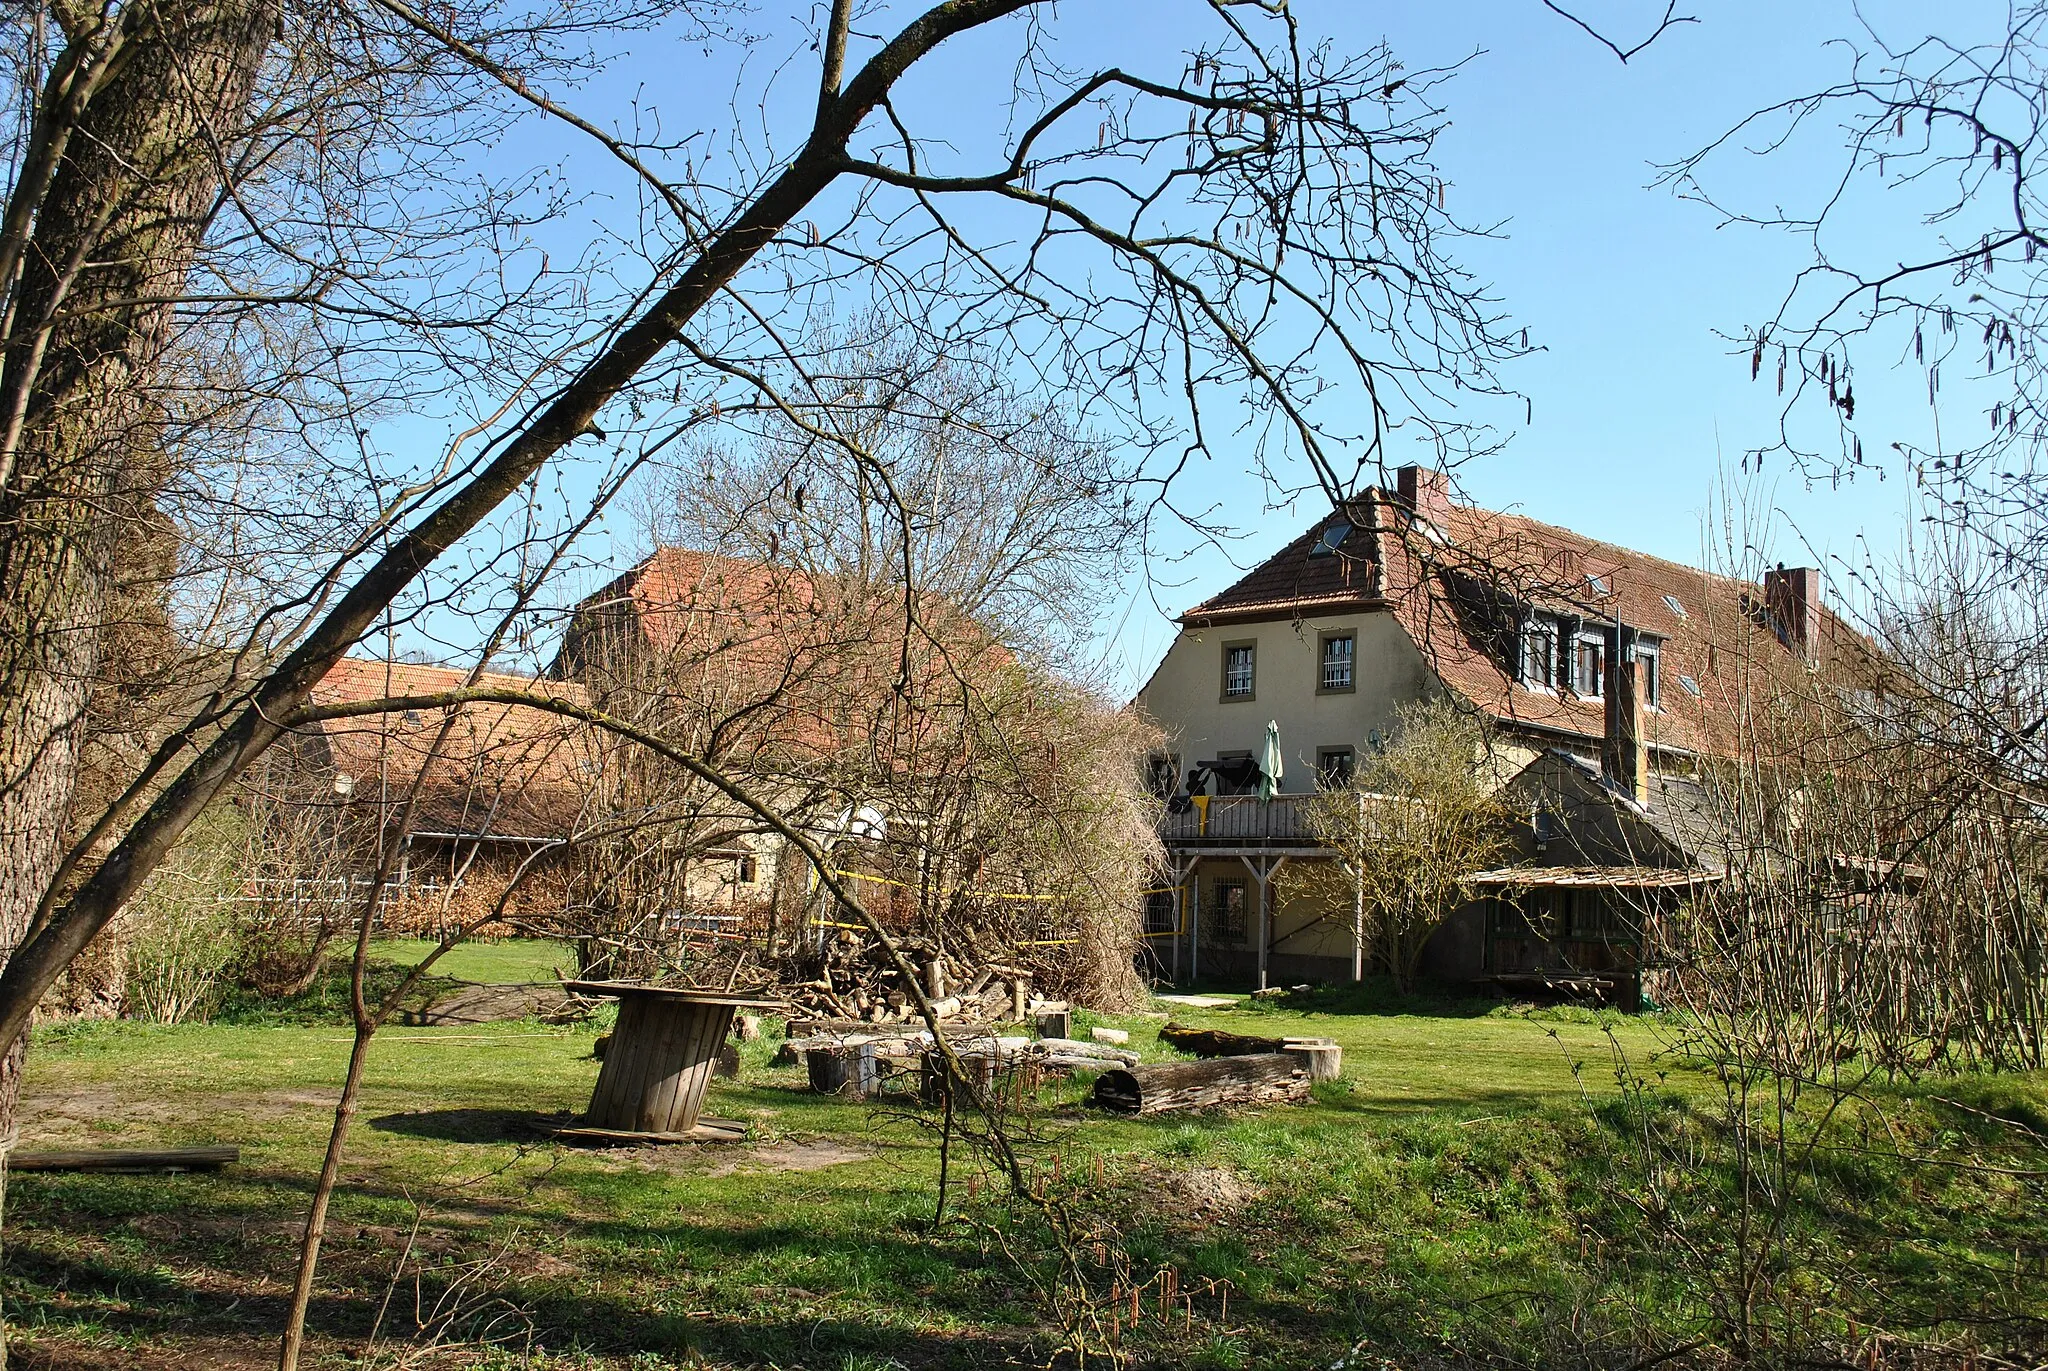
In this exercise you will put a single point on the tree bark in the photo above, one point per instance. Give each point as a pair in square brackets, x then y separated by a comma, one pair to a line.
[115, 229]
[1264, 1079]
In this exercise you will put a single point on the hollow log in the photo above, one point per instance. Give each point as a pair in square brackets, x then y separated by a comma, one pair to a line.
[1269, 1078]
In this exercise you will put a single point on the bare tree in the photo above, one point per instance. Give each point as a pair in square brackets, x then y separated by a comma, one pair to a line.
[1298, 225]
[1420, 816]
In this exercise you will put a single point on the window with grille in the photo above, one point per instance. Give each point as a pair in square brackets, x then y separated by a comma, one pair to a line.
[1239, 663]
[1340, 651]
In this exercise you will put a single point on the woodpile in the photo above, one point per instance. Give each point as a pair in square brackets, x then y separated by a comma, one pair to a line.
[1268, 1078]
[859, 1060]
[854, 978]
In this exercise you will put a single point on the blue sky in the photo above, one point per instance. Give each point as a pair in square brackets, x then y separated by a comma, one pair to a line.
[1640, 410]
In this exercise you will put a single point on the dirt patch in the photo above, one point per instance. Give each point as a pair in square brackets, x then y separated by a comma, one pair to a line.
[814, 1155]
[1199, 1194]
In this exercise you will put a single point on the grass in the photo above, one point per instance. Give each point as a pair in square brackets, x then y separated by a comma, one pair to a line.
[1469, 1191]
[506, 961]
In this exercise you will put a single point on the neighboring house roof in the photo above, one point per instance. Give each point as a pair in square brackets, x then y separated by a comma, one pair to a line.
[503, 771]
[1459, 579]
[773, 664]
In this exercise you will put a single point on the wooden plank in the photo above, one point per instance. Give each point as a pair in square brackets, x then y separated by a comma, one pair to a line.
[126, 1159]
[612, 1101]
[682, 1077]
[668, 1026]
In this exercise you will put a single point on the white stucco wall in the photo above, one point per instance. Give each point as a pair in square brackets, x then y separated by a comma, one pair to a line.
[1184, 695]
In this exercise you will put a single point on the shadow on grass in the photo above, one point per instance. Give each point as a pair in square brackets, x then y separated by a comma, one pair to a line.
[1377, 995]
[474, 1125]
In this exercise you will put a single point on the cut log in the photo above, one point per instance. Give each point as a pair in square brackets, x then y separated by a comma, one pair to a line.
[1269, 1078]
[848, 1070]
[1322, 1057]
[1075, 1047]
[1214, 1042]
[126, 1159]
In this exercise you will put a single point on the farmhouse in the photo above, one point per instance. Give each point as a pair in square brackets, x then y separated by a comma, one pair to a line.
[1613, 679]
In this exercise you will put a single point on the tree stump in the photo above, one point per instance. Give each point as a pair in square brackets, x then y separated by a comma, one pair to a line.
[847, 1070]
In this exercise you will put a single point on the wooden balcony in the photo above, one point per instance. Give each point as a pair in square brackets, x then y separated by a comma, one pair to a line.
[1238, 821]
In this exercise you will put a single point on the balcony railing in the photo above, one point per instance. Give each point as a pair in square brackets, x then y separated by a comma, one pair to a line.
[1237, 821]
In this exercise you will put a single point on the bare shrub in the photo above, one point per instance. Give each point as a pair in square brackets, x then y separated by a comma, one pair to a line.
[181, 935]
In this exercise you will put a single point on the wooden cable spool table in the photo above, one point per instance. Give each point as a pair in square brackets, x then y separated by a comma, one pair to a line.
[662, 1053]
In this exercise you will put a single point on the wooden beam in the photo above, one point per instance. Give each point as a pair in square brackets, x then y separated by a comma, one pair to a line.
[126, 1159]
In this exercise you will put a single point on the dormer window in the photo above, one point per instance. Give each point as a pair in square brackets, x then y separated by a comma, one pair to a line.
[1539, 654]
[1647, 673]
[1330, 539]
[1589, 667]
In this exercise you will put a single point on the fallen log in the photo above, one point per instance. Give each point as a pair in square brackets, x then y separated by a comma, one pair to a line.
[1080, 1047]
[1269, 1078]
[127, 1159]
[1214, 1042]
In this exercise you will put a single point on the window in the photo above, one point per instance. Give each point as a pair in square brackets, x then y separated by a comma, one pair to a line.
[1227, 922]
[1159, 919]
[1692, 687]
[1239, 663]
[1671, 603]
[1647, 673]
[1596, 583]
[749, 872]
[1330, 539]
[1588, 667]
[1334, 766]
[1539, 654]
[1237, 774]
[1339, 656]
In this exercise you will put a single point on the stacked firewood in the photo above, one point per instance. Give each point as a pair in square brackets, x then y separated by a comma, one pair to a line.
[856, 979]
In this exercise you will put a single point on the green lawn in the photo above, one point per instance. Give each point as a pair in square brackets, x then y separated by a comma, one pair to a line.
[505, 962]
[1463, 1194]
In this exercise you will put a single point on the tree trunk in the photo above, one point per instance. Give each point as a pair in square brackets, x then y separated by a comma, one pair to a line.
[115, 228]
[1264, 1079]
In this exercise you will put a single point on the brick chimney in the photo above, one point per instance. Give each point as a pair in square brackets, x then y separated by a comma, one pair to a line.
[1624, 755]
[1793, 599]
[1427, 491]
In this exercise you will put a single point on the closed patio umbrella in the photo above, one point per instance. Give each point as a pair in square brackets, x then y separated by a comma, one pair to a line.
[1270, 766]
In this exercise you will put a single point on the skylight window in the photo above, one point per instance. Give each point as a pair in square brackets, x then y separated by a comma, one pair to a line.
[1330, 539]
[1671, 603]
[1597, 583]
[1692, 687]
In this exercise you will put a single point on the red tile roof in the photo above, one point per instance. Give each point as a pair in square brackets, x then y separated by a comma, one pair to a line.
[503, 771]
[1440, 582]
[775, 664]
